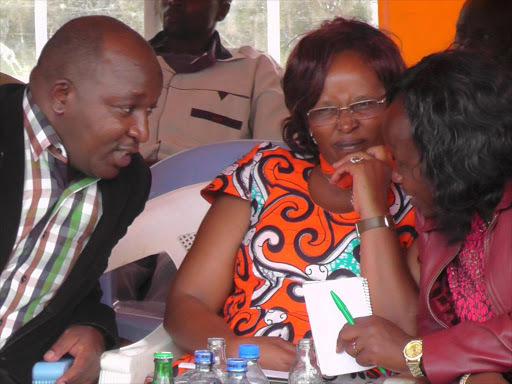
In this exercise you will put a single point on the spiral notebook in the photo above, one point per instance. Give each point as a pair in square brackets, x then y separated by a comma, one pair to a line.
[326, 320]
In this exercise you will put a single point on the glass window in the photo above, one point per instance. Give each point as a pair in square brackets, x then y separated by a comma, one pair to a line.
[268, 25]
[25, 26]
[17, 38]
[275, 25]
[130, 12]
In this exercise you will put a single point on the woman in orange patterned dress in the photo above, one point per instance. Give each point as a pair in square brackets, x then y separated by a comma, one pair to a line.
[278, 219]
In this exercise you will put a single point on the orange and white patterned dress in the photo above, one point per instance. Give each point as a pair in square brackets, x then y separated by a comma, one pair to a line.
[290, 240]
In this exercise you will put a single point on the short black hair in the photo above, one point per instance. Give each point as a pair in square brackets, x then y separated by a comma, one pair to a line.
[459, 106]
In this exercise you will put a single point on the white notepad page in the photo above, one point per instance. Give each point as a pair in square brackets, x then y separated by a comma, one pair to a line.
[326, 320]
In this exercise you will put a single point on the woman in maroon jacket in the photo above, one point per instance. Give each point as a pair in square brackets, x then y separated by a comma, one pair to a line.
[449, 128]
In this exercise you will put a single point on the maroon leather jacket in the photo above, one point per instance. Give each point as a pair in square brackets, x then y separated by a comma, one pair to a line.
[468, 347]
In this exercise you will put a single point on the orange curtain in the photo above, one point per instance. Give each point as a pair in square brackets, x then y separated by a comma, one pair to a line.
[421, 26]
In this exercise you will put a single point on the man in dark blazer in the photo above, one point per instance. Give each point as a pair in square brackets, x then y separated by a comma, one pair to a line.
[72, 134]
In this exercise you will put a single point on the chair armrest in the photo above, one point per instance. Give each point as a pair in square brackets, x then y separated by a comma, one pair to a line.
[131, 364]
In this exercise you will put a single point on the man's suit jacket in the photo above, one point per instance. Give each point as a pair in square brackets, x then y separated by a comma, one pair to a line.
[78, 299]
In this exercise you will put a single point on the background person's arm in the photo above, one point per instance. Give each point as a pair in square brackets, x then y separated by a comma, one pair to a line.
[204, 281]
[268, 109]
[470, 346]
[6, 79]
[486, 378]
[447, 354]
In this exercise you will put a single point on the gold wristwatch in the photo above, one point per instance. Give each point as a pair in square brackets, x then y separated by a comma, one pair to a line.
[413, 351]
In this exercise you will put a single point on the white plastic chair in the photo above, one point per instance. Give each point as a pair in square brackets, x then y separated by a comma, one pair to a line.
[168, 224]
[136, 319]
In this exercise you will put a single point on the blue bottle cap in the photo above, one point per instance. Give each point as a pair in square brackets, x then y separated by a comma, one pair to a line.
[202, 356]
[49, 372]
[236, 365]
[249, 351]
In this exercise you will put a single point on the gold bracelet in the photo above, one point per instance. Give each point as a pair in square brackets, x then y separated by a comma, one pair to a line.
[464, 378]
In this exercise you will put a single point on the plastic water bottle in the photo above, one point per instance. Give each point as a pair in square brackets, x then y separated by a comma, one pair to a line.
[237, 368]
[251, 353]
[202, 372]
[217, 346]
[163, 368]
[305, 370]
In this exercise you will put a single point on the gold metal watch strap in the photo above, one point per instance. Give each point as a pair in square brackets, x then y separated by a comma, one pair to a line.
[415, 368]
[413, 353]
[374, 222]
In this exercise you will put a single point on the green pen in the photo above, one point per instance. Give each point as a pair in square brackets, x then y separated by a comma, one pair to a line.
[350, 320]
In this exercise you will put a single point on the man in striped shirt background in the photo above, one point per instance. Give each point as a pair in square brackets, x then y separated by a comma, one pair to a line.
[72, 182]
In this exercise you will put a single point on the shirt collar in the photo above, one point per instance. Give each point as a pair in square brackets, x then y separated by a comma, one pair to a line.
[506, 200]
[40, 132]
[185, 63]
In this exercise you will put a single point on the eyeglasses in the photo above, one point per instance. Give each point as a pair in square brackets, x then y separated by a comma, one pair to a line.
[360, 110]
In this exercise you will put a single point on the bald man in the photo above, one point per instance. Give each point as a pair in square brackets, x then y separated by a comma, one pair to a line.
[72, 182]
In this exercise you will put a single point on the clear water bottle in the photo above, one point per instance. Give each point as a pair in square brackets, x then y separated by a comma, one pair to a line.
[217, 346]
[163, 368]
[237, 368]
[251, 353]
[305, 370]
[202, 372]
[184, 378]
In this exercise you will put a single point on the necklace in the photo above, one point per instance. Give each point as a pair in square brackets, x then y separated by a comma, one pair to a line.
[326, 177]
[329, 181]
[345, 181]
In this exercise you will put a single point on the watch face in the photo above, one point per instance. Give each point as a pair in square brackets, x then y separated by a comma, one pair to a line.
[413, 349]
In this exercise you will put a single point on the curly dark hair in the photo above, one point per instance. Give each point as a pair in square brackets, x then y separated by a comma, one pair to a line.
[486, 26]
[459, 106]
[310, 60]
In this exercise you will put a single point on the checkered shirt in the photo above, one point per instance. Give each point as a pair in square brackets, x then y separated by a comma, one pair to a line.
[57, 219]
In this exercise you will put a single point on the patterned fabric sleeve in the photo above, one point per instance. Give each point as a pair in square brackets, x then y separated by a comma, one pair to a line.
[230, 181]
[403, 215]
[237, 180]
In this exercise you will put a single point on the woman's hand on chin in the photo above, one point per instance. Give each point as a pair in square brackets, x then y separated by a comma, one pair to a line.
[371, 175]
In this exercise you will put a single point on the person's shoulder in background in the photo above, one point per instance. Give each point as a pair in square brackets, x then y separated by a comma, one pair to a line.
[6, 79]
[249, 52]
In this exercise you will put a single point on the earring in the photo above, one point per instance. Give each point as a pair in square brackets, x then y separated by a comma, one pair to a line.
[312, 137]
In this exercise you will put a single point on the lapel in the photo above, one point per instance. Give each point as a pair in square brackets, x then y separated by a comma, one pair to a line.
[93, 259]
[114, 194]
[11, 166]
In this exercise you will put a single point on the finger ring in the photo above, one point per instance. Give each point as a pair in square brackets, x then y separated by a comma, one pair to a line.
[355, 159]
[354, 346]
